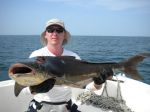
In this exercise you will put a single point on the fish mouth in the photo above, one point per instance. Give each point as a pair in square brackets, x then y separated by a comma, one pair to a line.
[25, 75]
[18, 69]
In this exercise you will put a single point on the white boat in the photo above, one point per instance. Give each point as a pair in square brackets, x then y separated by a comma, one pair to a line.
[135, 93]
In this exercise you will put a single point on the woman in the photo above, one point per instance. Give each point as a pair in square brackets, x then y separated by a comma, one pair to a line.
[53, 38]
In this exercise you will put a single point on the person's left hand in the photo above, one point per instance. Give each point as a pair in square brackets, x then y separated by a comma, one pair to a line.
[106, 73]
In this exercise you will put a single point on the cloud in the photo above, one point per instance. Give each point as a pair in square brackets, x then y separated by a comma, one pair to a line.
[107, 4]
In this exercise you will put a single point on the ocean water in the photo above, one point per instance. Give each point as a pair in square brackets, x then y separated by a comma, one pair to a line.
[15, 48]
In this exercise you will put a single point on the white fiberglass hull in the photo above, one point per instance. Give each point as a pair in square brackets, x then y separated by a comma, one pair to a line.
[135, 93]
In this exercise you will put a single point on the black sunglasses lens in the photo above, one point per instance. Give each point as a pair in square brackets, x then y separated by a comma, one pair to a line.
[58, 30]
[50, 30]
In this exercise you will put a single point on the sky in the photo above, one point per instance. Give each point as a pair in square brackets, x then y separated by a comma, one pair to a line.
[81, 17]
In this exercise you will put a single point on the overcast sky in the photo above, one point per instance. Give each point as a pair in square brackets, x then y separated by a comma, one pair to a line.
[81, 17]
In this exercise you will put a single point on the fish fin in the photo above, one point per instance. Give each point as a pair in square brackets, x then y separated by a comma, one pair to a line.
[43, 87]
[130, 65]
[18, 88]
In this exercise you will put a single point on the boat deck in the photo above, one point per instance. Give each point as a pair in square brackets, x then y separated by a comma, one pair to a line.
[135, 93]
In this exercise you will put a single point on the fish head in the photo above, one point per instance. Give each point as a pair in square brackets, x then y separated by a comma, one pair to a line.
[30, 73]
[27, 75]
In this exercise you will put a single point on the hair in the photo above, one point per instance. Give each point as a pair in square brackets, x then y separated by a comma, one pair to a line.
[44, 40]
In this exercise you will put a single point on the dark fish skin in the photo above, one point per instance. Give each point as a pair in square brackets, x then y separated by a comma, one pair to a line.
[67, 70]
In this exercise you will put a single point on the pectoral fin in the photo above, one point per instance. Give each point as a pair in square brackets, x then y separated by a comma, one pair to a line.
[18, 88]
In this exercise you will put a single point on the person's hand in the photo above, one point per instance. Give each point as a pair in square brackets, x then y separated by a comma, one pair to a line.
[105, 74]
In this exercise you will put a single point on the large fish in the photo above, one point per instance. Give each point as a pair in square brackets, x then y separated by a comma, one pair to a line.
[67, 70]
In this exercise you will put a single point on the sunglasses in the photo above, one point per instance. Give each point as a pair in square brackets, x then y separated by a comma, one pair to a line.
[52, 29]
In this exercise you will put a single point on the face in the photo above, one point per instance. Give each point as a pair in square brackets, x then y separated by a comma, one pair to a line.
[55, 35]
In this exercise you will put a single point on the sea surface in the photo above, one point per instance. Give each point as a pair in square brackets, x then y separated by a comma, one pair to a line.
[15, 48]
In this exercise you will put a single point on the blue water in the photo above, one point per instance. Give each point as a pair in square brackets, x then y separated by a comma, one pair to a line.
[92, 48]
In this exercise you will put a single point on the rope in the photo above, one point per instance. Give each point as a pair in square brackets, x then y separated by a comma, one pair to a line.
[106, 103]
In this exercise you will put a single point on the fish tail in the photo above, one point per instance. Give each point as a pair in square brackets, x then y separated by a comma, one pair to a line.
[130, 65]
